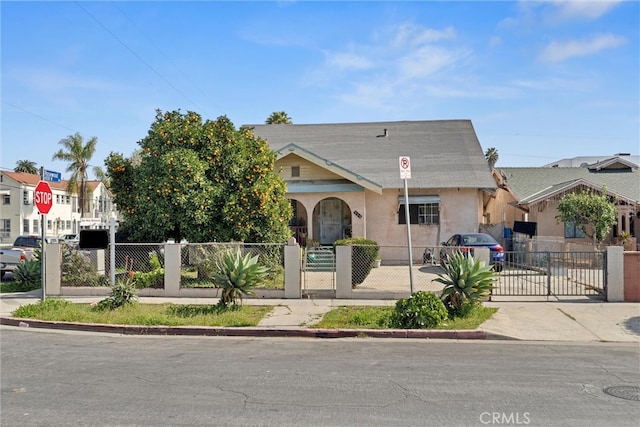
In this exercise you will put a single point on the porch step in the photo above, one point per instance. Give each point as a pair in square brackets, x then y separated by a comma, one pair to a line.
[319, 259]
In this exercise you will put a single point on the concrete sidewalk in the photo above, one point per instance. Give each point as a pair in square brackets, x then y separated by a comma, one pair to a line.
[580, 321]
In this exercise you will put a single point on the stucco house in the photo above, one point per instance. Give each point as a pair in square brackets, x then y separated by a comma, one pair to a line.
[19, 214]
[343, 179]
[531, 195]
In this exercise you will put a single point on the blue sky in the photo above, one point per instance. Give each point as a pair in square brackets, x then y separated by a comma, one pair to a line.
[541, 81]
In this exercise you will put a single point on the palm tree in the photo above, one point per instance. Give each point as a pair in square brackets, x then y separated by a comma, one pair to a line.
[26, 166]
[278, 117]
[78, 156]
[492, 156]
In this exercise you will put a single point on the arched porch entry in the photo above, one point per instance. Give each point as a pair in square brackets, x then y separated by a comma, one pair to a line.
[332, 220]
[298, 222]
[329, 220]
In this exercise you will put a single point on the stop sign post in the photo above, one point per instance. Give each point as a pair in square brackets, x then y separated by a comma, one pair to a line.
[43, 197]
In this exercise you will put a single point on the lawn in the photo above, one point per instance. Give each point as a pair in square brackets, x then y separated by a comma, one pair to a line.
[366, 317]
[352, 317]
[143, 314]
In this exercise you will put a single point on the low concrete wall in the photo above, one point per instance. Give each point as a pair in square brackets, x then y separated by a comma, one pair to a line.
[631, 276]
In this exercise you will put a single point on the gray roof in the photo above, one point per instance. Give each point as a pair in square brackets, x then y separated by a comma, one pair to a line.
[443, 153]
[576, 162]
[532, 184]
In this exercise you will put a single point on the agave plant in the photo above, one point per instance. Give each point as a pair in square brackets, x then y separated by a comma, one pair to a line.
[28, 275]
[465, 280]
[238, 275]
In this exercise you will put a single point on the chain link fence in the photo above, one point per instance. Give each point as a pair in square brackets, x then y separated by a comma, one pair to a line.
[198, 263]
[388, 270]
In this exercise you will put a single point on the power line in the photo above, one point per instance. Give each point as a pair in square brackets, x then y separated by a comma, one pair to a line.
[36, 115]
[185, 75]
[137, 56]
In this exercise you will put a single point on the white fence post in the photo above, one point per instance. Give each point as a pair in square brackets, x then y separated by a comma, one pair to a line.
[292, 270]
[615, 274]
[481, 254]
[343, 272]
[53, 268]
[172, 264]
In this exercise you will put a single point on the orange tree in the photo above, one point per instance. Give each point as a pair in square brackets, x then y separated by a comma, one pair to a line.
[201, 181]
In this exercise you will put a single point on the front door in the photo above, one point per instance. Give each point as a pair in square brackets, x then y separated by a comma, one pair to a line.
[330, 221]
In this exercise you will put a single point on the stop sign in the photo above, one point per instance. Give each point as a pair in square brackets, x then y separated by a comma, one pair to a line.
[43, 197]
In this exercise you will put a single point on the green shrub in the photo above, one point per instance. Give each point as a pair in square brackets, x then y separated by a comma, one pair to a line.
[28, 275]
[41, 308]
[77, 270]
[421, 310]
[238, 275]
[123, 292]
[464, 279]
[363, 257]
[153, 278]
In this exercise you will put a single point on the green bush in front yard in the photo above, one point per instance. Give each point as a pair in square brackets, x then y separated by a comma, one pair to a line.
[28, 275]
[363, 257]
[421, 310]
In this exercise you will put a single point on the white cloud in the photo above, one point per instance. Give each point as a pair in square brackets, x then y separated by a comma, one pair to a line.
[425, 61]
[416, 35]
[347, 61]
[559, 51]
[588, 9]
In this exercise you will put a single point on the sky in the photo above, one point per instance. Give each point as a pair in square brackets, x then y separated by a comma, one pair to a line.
[540, 81]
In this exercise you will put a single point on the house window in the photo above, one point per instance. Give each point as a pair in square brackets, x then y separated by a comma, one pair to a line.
[295, 171]
[572, 231]
[6, 199]
[422, 210]
[68, 225]
[5, 226]
[36, 226]
[25, 197]
[49, 224]
[25, 225]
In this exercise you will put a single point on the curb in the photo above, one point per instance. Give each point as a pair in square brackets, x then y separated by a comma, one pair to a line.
[248, 332]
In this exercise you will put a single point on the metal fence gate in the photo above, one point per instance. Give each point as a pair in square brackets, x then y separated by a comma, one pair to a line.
[552, 274]
[319, 271]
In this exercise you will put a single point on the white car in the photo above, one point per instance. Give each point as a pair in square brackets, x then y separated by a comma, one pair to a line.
[70, 238]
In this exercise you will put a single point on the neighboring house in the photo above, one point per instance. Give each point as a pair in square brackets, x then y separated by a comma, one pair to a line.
[19, 214]
[582, 161]
[531, 195]
[343, 179]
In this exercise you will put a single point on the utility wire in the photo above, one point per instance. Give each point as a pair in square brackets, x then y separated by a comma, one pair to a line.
[137, 56]
[36, 115]
[185, 75]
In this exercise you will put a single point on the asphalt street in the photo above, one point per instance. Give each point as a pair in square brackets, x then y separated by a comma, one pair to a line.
[56, 378]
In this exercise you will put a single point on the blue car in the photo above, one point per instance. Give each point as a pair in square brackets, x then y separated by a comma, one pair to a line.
[466, 242]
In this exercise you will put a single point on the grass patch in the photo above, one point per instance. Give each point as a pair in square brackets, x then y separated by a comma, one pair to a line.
[11, 287]
[53, 309]
[366, 317]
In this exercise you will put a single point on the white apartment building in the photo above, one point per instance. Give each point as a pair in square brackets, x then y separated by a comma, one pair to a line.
[19, 215]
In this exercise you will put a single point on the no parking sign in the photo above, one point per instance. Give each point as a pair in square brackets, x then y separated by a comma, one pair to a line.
[405, 167]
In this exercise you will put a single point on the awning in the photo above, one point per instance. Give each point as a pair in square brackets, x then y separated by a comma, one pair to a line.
[417, 200]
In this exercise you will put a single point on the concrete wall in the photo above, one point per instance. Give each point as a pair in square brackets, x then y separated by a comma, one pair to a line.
[631, 276]
[460, 211]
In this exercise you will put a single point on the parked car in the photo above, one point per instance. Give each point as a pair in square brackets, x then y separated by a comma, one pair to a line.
[467, 241]
[72, 239]
[21, 251]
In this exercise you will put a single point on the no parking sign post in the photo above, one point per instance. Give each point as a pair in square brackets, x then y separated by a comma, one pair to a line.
[405, 174]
